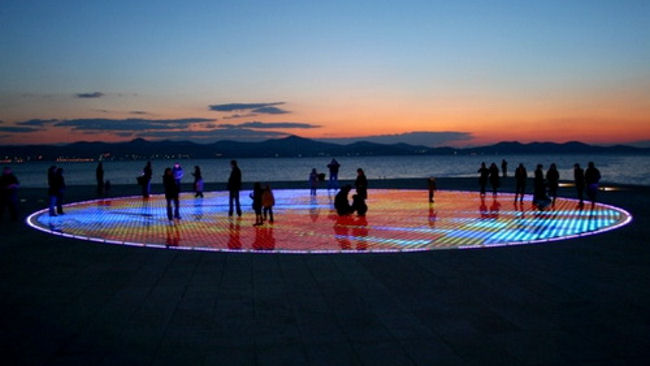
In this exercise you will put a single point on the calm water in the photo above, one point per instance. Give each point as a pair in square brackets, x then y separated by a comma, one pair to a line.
[614, 168]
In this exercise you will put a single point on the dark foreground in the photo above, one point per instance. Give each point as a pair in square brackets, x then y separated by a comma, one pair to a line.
[582, 301]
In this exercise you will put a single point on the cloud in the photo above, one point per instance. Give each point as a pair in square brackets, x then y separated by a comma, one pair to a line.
[15, 129]
[129, 124]
[234, 116]
[37, 122]
[269, 125]
[214, 135]
[270, 110]
[426, 138]
[262, 108]
[90, 95]
[138, 112]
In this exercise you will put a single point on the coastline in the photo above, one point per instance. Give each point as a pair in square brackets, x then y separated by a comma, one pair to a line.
[580, 300]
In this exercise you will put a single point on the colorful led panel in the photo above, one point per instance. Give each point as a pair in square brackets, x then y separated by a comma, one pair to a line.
[397, 220]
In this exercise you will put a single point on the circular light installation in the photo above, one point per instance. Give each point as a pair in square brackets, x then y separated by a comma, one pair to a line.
[397, 220]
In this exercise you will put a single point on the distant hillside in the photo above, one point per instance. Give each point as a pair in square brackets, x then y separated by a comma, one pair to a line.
[292, 146]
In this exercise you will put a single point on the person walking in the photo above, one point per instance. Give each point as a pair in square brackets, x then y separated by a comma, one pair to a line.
[177, 172]
[484, 173]
[520, 182]
[234, 186]
[333, 167]
[99, 176]
[579, 180]
[172, 191]
[539, 196]
[59, 189]
[51, 189]
[256, 196]
[431, 182]
[9, 193]
[198, 182]
[145, 180]
[553, 181]
[267, 203]
[494, 178]
[592, 177]
[313, 182]
[361, 184]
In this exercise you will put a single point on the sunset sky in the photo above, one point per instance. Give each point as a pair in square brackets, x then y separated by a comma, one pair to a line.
[457, 73]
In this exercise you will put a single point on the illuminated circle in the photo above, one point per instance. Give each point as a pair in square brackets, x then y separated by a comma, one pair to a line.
[397, 220]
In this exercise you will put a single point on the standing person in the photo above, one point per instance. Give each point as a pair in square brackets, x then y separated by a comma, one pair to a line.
[432, 188]
[256, 195]
[267, 203]
[198, 182]
[494, 178]
[171, 193]
[520, 182]
[539, 196]
[361, 184]
[9, 193]
[234, 186]
[99, 176]
[177, 171]
[147, 174]
[333, 182]
[504, 167]
[59, 188]
[553, 181]
[51, 189]
[592, 177]
[483, 177]
[579, 179]
[313, 181]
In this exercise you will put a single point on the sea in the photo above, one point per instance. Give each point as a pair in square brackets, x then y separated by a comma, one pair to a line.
[622, 169]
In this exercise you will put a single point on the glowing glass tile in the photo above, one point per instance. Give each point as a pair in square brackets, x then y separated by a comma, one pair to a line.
[397, 220]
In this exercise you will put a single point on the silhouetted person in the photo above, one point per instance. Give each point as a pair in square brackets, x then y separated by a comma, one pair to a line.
[361, 184]
[333, 182]
[51, 189]
[484, 173]
[59, 188]
[177, 172]
[504, 167]
[579, 179]
[256, 196]
[234, 186]
[313, 182]
[145, 180]
[9, 193]
[359, 205]
[553, 181]
[592, 177]
[198, 182]
[520, 182]
[539, 196]
[171, 194]
[341, 203]
[431, 182]
[99, 176]
[267, 203]
[494, 178]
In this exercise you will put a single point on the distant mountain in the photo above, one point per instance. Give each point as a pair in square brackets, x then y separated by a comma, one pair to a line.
[292, 146]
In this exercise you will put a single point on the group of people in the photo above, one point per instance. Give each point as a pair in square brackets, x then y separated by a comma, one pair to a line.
[341, 202]
[545, 186]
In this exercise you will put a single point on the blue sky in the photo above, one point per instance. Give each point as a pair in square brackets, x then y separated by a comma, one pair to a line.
[377, 64]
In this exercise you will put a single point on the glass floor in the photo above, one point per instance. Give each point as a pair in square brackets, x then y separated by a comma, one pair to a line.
[397, 220]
